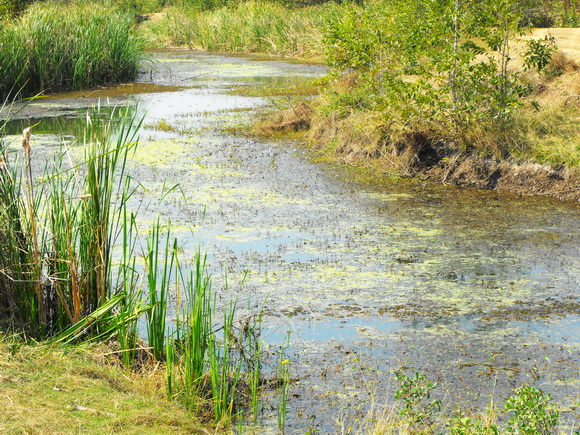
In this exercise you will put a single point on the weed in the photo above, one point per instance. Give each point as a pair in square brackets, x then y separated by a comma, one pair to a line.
[532, 412]
[415, 393]
[463, 424]
[59, 231]
[283, 385]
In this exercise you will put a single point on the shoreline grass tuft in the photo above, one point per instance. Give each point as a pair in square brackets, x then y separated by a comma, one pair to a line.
[53, 47]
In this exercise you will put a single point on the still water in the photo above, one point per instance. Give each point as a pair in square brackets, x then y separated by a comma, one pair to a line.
[478, 290]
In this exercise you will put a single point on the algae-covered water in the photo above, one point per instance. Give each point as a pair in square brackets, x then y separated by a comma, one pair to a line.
[478, 290]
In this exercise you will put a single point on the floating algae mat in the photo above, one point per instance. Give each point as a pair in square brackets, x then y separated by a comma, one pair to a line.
[477, 290]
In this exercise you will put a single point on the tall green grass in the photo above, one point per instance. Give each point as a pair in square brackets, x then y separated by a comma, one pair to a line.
[250, 27]
[216, 361]
[53, 47]
[59, 230]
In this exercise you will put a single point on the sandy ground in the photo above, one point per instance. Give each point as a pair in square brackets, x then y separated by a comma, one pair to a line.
[567, 39]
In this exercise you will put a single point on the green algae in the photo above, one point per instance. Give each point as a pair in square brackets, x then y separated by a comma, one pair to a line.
[465, 285]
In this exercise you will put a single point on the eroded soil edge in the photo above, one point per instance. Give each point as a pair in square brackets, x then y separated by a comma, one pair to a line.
[418, 156]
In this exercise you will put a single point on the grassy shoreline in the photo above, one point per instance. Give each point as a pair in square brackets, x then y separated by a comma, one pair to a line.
[52, 389]
[52, 47]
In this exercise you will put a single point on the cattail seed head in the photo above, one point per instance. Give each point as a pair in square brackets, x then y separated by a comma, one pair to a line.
[26, 139]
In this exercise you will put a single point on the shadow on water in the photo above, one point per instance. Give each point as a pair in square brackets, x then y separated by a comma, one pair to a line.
[478, 290]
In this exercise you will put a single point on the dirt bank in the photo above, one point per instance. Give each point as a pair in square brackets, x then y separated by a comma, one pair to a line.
[511, 176]
[418, 156]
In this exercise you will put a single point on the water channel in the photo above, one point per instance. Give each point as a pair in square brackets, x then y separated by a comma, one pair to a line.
[476, 289]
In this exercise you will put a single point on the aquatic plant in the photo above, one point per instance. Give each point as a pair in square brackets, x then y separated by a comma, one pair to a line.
[158, 293]
[59, 230]
[209, 361]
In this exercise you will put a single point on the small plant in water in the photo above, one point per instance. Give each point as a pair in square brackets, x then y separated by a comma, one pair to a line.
[533, 412]
[415, 393]
[283, 383]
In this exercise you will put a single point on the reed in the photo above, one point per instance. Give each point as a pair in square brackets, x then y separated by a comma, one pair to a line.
[53, 47]
[194, 329]
[158, 295]
[59, 229]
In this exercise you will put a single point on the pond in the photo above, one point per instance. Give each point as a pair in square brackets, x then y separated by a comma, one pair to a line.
[478, 290]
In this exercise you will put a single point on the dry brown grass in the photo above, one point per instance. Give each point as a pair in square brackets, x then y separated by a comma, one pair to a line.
[567, 39]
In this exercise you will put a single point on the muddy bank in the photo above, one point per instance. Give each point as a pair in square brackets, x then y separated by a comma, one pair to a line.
[524, 178]
[415, 155]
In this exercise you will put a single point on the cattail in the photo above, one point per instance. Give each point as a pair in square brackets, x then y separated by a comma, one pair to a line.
[26, 139]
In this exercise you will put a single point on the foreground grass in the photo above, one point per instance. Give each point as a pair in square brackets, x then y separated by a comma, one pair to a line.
[79, 389]
[85, 389]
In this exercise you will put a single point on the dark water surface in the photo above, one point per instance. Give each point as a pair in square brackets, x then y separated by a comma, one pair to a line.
[478, 290]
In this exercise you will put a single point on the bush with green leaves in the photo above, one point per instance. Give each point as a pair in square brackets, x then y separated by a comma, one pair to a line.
[437, 65]
[415, 393]
[532, 412]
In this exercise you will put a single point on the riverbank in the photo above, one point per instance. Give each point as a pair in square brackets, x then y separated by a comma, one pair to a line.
[417, 155]
[506, 119]
[536, 153]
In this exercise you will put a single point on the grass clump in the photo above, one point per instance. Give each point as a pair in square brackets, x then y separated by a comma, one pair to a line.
[249, 27]
[52, 47]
